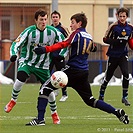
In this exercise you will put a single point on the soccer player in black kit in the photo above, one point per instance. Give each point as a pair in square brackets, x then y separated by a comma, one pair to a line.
[81, 44]
[118, 35]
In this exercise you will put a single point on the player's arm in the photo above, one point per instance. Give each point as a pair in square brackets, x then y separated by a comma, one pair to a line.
[56, 46]
[14, 49]
[110, 41]
[108, 37]
[111, 38]
[93, 47]
[13, 52]
[62, 44]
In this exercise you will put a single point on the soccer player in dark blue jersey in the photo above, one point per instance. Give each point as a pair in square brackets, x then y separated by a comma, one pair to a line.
[118, 36]
[81, 44]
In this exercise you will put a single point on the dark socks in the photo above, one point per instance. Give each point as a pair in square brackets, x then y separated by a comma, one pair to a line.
[105, 107]
[64, 91]
[102, 89]
[41, 107]
[125, 93]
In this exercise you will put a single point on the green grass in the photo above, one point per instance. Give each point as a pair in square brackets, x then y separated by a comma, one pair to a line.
[76, 117]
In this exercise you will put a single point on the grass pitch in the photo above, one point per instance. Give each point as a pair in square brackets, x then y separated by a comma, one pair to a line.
[76, 117]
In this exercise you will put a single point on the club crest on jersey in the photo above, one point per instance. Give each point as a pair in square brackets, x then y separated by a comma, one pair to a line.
[123, 32]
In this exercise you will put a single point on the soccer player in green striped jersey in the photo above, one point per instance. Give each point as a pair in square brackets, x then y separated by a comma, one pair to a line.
[23, 47]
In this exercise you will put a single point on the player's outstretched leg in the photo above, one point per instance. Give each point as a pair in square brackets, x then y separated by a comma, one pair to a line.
[120, 113]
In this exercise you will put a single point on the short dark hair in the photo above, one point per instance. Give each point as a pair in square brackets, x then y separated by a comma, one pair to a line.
[80, 17]
[123, 9]
[55, 12]
[40, 12]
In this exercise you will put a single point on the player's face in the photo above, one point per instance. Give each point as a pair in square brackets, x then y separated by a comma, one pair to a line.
[74, 25]
[41, 22]
[122, 17]
[55, 19]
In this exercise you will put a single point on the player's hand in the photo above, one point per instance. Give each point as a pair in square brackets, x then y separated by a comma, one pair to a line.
[60, 58]
[40, 50]
[13, 58]
[93, 48]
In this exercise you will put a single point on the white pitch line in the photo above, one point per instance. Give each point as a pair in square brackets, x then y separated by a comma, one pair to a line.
[93, 117]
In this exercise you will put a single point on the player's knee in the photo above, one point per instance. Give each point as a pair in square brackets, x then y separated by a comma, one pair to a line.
[125, 74]
[91, 102]
[126, 77]
[22, 76]
[44, 92]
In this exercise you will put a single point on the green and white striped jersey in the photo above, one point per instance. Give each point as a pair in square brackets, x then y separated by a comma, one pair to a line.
[29, 39]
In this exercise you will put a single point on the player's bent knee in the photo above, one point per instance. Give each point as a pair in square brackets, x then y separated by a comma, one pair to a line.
[91, 102]
[22, 76]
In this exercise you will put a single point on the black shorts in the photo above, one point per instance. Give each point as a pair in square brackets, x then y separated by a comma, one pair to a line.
[77, 79]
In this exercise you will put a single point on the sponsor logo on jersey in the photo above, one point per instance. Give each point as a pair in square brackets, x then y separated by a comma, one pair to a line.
[124, 38]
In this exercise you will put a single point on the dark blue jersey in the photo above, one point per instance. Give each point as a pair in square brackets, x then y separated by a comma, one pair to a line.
[117, 36]
[80, 45]
[63, 30]
[79, 50]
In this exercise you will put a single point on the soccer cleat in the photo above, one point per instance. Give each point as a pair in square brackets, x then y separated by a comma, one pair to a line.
[63, 98]
[36, 122]
[56, 119]
[120, 113]
[101, 98]
[9, 106]
[125, 101]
